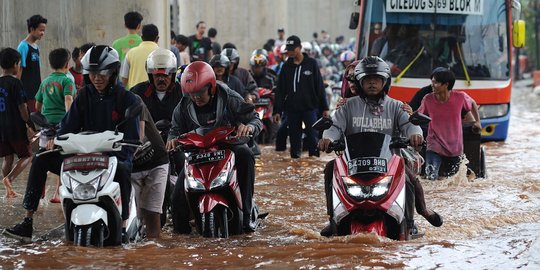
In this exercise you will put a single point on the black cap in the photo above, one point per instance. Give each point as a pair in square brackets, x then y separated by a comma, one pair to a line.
[292, 42]
[280, 30]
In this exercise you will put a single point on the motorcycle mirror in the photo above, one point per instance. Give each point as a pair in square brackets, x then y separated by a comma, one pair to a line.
[39, 119]
[419, 119]
[323, 124]
[246, 108]
[163, 124]
[133, 110]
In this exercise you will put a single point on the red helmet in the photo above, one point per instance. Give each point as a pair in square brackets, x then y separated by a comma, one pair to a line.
[196, 76]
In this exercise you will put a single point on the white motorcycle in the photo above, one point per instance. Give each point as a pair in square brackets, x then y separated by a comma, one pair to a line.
[90, 198]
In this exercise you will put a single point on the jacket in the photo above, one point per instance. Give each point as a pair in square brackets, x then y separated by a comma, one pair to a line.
[300, 87]
[228, 102]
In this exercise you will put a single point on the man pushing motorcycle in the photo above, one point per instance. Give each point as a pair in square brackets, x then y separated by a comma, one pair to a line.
[207, 103]
[372, 110]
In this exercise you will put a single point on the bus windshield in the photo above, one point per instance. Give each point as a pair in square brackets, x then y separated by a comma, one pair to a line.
[416, 36]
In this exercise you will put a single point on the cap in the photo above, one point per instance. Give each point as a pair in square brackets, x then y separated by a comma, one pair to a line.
[292, 42]
[281, 30]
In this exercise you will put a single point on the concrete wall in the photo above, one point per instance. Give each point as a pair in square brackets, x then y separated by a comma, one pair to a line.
[249, 23]
[75, 22]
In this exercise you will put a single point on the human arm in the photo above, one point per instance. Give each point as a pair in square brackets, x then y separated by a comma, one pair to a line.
[39, 106]
[280, 94]
[23, 50]
[124, 71]
[176, 128]
[323, 102]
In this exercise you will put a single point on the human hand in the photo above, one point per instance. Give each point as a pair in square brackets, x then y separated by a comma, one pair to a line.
[477, 127]
[30, 134]
[171, 145]
[276, 118]
[323, 144]
[406, 107]
[50, 144]
[326, 114]
[341, 102]
[244, 130]
[416, 140]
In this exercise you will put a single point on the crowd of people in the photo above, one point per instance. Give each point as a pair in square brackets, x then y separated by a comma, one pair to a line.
[104, 80]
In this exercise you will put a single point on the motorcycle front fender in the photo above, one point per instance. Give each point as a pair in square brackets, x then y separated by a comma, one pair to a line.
[86, 214]
[207, 202]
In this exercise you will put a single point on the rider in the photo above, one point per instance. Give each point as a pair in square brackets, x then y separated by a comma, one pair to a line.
[372, 103]
[210, 103]
[99, 106]
[264, 77]
[220, 64]
[241, 73]
[160, 94]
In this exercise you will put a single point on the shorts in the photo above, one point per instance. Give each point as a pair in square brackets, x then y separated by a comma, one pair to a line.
[149, 187]
[21, 148]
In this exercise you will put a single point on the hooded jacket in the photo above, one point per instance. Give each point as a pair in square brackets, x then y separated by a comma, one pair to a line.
[300, 87]
[356, 116]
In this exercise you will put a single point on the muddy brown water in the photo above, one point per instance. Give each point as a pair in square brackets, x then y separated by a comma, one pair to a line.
[491, 223]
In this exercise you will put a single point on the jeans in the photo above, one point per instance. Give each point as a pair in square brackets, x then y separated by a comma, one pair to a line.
[295, 132]
[433, 164]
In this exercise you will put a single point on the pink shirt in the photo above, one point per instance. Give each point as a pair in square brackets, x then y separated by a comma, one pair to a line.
[445, 134]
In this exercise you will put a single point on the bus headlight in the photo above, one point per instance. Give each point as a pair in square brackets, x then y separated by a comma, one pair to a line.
[493, 110]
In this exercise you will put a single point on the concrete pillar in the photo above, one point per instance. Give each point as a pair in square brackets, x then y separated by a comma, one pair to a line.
[75, 22]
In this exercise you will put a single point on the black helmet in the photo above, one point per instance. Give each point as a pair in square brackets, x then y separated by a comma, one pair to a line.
[373, 65]
[219, 61]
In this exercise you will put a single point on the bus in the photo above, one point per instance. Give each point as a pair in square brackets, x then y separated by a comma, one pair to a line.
[473, 38]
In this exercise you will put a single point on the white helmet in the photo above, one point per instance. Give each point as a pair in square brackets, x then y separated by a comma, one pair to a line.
[161, 61]
[306, 47]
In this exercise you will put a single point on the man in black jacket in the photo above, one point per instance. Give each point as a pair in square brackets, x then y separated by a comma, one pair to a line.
[300, 93]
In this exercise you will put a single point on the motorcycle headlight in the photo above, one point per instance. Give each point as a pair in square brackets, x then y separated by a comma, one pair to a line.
[220, 180]
[261, 114]
[373, 192]
[492, 111]
[192, 182]
[86, 191]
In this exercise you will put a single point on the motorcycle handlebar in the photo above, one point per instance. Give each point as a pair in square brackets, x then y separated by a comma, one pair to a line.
[49, 151]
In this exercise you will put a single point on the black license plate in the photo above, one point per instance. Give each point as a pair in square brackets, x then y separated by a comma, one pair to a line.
[197, 158]
[263, 101]
[367, 165]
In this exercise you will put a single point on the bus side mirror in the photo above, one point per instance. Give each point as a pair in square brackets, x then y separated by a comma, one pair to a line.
[518, 33]
[353, 22]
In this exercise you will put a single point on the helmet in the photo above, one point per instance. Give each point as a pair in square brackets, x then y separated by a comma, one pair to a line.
[232, 54]
[373, 65]
[196, 76]
[283, 49]
[347, 56]
[179, 72]
[258, 60]
[260, 51]
[161, 61]
[276, 51]
[100, 57]
[306, 47]
[219, 61]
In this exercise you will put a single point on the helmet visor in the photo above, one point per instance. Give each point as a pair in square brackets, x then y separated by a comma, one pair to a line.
[104, 72]
[165, 71]
[198, 93]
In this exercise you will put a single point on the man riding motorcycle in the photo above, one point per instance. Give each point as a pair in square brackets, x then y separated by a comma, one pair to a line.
[264, 77]
[372, 110]
[210, 103]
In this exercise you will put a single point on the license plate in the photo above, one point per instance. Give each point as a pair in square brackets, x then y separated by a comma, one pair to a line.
[86, 162]
[367, 165]
[197, 158]
[263, 101]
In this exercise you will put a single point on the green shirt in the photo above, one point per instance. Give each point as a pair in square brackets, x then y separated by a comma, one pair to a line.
[51, 94]
[123, 44]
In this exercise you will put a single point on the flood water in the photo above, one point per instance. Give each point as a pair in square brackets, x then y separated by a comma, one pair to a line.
[491, 223]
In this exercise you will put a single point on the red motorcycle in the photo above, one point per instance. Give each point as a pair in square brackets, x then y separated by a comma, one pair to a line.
[264, 108]
[211, 186]
[371, 193]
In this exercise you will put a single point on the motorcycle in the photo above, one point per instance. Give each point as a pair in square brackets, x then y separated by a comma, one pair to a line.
[264, 107]
[211, 185]
[91, 200]
[371, 192]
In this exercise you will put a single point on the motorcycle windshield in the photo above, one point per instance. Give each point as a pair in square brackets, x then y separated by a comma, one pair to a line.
[367, 152]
